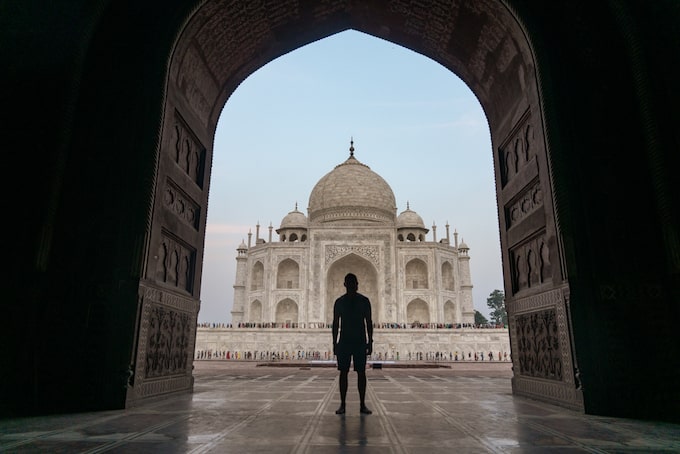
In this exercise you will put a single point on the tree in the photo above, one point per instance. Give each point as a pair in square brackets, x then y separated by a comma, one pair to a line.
[480, 319]
[496, 302]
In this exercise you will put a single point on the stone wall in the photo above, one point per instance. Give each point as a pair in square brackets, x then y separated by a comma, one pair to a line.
[386, 341]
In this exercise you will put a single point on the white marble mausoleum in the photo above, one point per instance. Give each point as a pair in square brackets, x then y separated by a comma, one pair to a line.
[351, 226]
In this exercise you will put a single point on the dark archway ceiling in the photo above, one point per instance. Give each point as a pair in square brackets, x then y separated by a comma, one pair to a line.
[479, 41]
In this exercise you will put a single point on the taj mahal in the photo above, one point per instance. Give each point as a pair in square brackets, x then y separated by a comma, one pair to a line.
[284, 290]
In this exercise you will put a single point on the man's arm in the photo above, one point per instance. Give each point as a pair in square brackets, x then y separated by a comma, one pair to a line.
[369, 328]
[336, 326]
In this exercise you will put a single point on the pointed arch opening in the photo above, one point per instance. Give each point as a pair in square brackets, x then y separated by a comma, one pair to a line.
[417, 312]
[416, 275]
[288, 274]
[367, 276]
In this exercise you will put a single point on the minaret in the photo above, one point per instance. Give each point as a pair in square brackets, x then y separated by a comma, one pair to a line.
[467, 306]
[448, 238]
[270, 231]
[455, 238]
[257, 233]
[434, 232]
[240, 283]
[250, 238]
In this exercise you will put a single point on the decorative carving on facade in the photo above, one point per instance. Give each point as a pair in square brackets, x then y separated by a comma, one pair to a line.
[530, 200]
[556, 301]
[169, 340]
[565, 395]
[433, 23]
[535, 302]
[334, 252]
[175, 264]
[296, 258]
[351, 214]
[518, 150]
[530, 264]
[156, 387]
[539, 351]
[177, 202]
[188, 153]
[166, 337]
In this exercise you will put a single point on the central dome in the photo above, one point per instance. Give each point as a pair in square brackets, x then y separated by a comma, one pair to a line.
[352, 193]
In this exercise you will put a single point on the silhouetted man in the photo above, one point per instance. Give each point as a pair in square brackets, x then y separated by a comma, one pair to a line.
[352, 318]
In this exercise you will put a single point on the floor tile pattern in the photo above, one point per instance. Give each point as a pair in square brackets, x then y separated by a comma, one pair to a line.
[246, 408]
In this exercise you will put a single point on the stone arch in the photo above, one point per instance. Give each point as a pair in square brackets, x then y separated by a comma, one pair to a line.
[288, 274]
[286, 312]
[416, 274]
[417, 311]
[255, 311]
[482, 42]
[367, 276]
[448, 281]
[450, 315]
[197, 52]
[257, 276]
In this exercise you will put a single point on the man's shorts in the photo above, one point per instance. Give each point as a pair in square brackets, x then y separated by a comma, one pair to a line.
[345, 354]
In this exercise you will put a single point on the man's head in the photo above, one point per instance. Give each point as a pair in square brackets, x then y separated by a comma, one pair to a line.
[351, 283]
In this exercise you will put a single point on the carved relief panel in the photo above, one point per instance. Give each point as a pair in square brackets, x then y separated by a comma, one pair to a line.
[164, 357]
[518, 150]
[175, 263]
[539, 354]
[188, 153]
[528, 201]
[179, 203]
[530, 264]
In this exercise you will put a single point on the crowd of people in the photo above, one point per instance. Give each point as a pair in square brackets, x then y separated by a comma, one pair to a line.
[321, 325]
[301, 355]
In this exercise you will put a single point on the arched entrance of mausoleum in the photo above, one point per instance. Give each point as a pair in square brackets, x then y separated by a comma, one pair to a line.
[367, 276]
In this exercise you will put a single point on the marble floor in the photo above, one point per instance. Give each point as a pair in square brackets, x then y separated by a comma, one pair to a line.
[244, 408]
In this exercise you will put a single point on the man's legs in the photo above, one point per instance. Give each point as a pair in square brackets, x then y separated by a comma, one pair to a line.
[361, 383]
[343, 392]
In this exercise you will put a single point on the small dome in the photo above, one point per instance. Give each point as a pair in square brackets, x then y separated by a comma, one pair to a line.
[242, 246]
[409, 219]
[462, 245]
[294, 220]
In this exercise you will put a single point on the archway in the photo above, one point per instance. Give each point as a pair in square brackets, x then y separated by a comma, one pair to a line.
[450, 315]
[288, 274]
[204, 71]
[416, 275]
[255, 312]
[448, 282]
[368, 283]
[286, 313]
[417, 311]
[257, 280]
[114, 124]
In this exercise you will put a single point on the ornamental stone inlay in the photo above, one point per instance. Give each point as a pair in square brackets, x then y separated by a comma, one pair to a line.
[529, 201]
[539, 353]
[518, 150]
[177, 202]
[370, 252]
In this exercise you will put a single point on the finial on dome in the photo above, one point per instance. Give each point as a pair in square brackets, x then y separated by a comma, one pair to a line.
[351, 147]
[295, 206]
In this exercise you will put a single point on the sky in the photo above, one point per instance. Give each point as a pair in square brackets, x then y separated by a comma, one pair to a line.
[413, 122]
